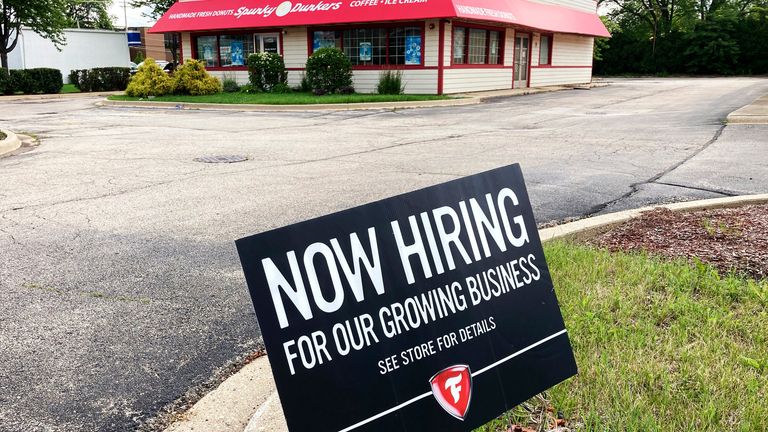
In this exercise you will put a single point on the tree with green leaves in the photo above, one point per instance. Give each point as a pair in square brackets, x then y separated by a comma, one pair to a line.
[156, 9]
[44, 17]
[91, 14]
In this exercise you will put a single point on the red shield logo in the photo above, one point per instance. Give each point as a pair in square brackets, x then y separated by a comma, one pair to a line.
[452, 387]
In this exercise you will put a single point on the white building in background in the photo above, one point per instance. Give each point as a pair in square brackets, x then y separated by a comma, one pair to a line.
[84, 49]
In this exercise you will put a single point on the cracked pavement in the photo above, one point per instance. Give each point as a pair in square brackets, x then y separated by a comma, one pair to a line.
[120, 285]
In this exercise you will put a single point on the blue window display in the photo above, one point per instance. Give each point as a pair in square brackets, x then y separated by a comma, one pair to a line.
[236, 48]
[413, 50]
[366, 51]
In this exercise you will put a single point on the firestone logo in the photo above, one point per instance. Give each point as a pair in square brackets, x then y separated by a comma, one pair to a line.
[286, 8]
[452, 387]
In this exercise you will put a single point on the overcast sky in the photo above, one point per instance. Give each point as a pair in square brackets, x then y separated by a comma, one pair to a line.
[135, 17]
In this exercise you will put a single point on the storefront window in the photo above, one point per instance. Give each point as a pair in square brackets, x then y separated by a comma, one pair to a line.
[476, 46]
[366, 46]
[370, 46]
[207, 50]
[234, 50]
[494, 53]
[405, 46]
[326, 39]
[459, 40]
[545, 44]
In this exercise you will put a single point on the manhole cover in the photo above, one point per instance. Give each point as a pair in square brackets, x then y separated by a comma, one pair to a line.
[222, 159]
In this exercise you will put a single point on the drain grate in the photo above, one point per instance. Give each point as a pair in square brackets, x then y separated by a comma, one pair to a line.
[222, 159]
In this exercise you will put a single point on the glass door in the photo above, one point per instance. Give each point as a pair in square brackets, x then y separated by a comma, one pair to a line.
[522, 42]
[267, 42]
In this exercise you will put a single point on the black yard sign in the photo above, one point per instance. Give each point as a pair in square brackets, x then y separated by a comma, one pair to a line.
[429, 311]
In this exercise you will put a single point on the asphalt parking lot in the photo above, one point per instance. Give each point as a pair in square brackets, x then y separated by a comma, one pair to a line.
[119, 280]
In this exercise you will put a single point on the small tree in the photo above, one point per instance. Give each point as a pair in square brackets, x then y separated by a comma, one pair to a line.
[149, 80]
[44, 17]
[156, 9]
[192, 78]
[266, 70]
[329, 71]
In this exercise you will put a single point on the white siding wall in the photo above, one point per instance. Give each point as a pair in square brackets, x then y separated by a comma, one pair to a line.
[84, 49]
[295, 47]
[469, 80]
[541, 77]
[567, 50]
[431, 43]
[186, 46]
[582, 5]
[509, 47]
[572, 50]
[447, 44]
[417, 81]
[240, 76]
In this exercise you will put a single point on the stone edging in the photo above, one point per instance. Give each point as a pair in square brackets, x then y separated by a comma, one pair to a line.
[10, 143]
[248, 401]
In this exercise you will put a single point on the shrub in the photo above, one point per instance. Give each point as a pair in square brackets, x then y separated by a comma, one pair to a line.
[149, 80]
[230, 85]
[304, 85]
[139, 57]
[100, 79]
[329, 70]
[281, 88]
[45, 80]
[390, 82]
[5, 81]
[191, 78]
[266, 70]
[21, 81]
[249, 89]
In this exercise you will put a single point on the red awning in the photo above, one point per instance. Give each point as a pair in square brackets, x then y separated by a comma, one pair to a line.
[202, 15]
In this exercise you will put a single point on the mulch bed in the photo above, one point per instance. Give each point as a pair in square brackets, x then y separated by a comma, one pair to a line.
[730, 239]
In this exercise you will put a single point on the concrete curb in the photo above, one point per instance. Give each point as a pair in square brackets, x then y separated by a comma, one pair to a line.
[754, 113]
[463, 99]
[291, 108]
[248, 401]
[10, 143]
[41, 97]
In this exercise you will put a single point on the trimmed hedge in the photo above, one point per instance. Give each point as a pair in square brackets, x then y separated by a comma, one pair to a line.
[100, 79]
[37, 80]
[5, 82]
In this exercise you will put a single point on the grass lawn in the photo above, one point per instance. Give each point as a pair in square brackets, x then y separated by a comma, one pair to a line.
[284, 99]
[69, 88]
[661, 346]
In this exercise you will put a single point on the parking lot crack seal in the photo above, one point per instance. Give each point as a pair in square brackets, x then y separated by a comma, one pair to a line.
[635, 187]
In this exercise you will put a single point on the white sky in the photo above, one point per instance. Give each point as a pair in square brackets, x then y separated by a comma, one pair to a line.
[135, 17]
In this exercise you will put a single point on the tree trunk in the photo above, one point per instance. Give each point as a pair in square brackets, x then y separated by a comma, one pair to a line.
[4, 59]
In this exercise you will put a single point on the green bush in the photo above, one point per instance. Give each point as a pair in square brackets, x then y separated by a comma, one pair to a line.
[328, 71]
[21, 81]
[139, 57]
[100, 79]
[191, 78]
[390, 82]
[45, 80]
[149, 80]
[230, 85]
[266, 70]
[5, 82]
[281, 88]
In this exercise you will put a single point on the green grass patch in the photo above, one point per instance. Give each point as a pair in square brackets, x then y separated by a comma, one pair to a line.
[2, 136]
[284, 98]
[660, 345]
[69, 88]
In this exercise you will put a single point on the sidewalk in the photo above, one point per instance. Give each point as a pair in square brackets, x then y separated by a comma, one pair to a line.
[248, 400]
[754, 113]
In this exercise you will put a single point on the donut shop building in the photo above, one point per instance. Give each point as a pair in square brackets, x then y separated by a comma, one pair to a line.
[441, 46]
